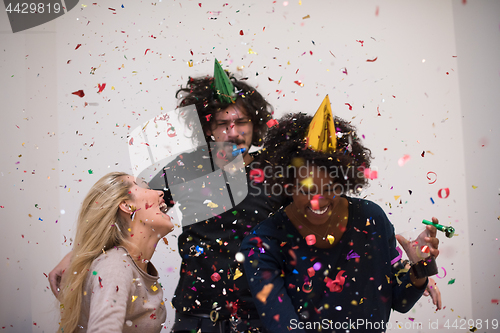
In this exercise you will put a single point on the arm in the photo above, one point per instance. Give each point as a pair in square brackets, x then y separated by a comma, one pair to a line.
[111, 292]
[56, 274]
[263, 272]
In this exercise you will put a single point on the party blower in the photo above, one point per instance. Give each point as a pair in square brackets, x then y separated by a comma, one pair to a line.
[449, 231]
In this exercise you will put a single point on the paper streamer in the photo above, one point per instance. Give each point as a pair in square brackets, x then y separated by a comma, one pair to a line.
[446, 192]
[433, 173]
[393, 261]
[440, 277]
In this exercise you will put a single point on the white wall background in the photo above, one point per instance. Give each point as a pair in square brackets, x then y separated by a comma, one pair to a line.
[434, 88]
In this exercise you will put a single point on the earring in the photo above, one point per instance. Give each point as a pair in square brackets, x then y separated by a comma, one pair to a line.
[212, 137]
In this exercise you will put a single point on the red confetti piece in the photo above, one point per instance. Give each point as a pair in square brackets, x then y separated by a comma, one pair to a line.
[208, 117]
[146, 51]
[299, 83]
[199, 4]
[111, 9]
[215, 277]
[256, 175]
[149, 206]
[376, 11]
[446, 193]
[336, 285]
[270, 79]
[349, 105]
[360, 41]
[100, 282]
[429, 178]
[311, 52]
[372, 60]
[78, 46]
[79, 93]
[101, 87]
[494, 300]
[241, 33]
[272, 122]
[131, 141]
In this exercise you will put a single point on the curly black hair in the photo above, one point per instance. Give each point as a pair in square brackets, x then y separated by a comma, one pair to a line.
[285, 144]
[201, 92]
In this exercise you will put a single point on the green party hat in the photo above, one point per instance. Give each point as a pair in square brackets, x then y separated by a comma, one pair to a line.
[223, 86]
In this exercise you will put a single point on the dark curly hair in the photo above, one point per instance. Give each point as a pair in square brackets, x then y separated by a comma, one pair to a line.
[285, 142]
[201, 93]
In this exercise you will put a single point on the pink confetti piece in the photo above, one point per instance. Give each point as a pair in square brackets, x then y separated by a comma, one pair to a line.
[315, 202]
[310, 240]
[403, 160]
[352, 255]
[441, 277]
[370, 174]
[393, 261]
[215, 277]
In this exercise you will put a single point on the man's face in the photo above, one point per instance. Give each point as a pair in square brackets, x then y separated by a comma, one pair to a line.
[232, 125]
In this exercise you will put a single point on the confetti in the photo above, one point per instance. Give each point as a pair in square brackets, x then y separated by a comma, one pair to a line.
[372, 60]
[370, 174]
[299, 83]
[78, 46]
[241, 33]
[101, 87]
[264, 293]
[336, 285]
[215, 277]
[349, 105]
[331, 239]
[403, 160]
[310, 240]
[352, 255]
[393, 261]
[452, 281]
[257, 175]
[90, 171]
[79, 93]
[430, 179]
[271, 123]
[446, 193]
[441, 277]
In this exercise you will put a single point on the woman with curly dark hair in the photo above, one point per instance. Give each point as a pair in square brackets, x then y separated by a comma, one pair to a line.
[323, 263]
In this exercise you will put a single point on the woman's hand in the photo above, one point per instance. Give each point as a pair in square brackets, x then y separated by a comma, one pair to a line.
[434, 292]
[56, 274]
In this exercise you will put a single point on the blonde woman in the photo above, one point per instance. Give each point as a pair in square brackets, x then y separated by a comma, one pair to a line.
[110, 285]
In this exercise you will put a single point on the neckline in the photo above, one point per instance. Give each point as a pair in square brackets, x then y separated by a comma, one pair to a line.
[150, 265]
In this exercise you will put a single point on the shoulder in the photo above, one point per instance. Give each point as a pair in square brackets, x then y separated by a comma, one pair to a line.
[114, 261]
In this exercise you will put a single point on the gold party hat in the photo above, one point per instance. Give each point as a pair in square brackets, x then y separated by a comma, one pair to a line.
[321, 135]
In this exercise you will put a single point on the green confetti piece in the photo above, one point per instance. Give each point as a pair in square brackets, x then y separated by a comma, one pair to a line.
[452, 281]
[90, 171]
[94, 273]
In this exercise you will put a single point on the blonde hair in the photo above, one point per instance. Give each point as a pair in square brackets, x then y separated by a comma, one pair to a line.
[100, 227]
